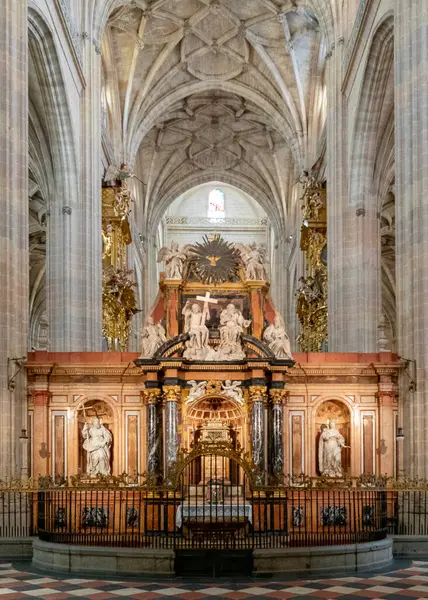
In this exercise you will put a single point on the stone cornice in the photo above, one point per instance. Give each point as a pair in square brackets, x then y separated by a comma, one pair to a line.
[58, 366]
[61, 371]
[178, 222]
[342, 370]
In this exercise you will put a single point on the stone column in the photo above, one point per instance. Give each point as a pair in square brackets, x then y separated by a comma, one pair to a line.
[13, 230]
[74, 249]
[411, 184]
[258, 397]
[152, 397]
[337, 196]
[277, 397]
[90, 207]
[353, 241]
[172, 396]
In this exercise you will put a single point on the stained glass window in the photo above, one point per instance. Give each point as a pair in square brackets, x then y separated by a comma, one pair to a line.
[216, 204]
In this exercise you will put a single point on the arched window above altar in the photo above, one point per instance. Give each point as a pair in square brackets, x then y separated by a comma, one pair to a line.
[216, 208]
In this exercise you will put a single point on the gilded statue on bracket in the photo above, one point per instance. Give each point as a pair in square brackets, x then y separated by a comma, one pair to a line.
[313, 196]
[119, 305]
[312, 293]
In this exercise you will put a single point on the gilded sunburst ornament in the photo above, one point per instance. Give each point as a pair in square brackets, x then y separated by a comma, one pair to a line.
[214, 260]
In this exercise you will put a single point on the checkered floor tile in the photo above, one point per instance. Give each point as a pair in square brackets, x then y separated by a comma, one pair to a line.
[21, 582]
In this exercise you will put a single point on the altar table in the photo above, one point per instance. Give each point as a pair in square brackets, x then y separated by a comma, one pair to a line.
[214, 513]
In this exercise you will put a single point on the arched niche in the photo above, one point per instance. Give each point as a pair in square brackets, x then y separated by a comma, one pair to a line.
[85, 413]
[334, 410]
[212, 408]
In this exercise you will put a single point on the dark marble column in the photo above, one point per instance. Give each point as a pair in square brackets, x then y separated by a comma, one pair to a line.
[258, 399]
[172, 396]
[154, 437]
[277, 427]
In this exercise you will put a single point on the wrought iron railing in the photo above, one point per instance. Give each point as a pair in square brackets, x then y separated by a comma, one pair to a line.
[263, 518]
[199, 510]
[18, 512]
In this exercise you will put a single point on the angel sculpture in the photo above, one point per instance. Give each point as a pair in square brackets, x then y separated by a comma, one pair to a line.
[233, 389]
[277, 339]
[113, 173]
[174, 258]
[196, 391]
[254, 258]
[152, 337]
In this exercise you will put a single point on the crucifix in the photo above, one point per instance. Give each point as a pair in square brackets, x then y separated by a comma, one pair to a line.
[207, 300]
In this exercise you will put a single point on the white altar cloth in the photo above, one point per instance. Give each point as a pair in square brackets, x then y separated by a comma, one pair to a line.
[214, 512]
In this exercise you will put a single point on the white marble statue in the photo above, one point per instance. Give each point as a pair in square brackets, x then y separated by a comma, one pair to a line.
[196, 391]
[233, 389]
[152, 337]
[232, 324]
[330, 451]
[197, 347]
[97, 441]
[174, 258]
[277, 339]
[254, 258]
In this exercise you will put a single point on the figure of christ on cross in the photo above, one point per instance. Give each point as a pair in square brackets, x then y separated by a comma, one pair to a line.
[195, 320]
[207, 300]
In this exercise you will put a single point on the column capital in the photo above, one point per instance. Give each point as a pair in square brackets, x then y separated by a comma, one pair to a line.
[257, 393]
[278, 396]
[172, 393]
[151, 395]
[41, 397]
[386, 397]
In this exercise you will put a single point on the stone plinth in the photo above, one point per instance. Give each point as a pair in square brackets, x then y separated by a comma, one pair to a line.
[96, 560]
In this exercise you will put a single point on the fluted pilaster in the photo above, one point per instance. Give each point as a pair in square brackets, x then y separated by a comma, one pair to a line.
[277, 397]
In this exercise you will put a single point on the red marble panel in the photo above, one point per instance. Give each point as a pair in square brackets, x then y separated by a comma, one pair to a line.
[59, 444]
[368, 439]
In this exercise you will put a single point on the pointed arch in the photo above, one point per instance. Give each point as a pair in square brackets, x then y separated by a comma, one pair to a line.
[58, 122]
[372, 98]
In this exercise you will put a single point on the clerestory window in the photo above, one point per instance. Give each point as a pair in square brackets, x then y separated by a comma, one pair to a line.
[216, 204]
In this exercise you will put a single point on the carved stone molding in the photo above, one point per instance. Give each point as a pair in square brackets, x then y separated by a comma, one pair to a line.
[231, 221]
[75, 39]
